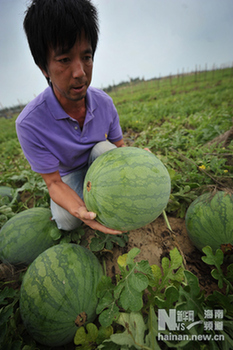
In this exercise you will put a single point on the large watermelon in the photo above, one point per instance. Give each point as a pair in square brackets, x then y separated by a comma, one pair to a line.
[209, 220]
[26, 235]
[58, 293]
[127, 188]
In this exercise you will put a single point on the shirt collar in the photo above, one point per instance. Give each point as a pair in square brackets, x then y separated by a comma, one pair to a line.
[58, 112]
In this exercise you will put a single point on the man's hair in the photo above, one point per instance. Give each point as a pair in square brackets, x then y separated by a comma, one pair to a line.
[52, 24]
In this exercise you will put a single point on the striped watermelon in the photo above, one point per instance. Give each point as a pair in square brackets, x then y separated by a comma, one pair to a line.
[26, 235]
[209, 220]
[6, 191]
[58, 293]
[127, 188]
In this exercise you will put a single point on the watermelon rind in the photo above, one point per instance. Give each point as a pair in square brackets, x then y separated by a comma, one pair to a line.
[59, 286]
[209, 220]
[26, 235]
[127, 188]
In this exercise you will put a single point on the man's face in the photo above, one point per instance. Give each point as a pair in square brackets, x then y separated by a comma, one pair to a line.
[71, 72]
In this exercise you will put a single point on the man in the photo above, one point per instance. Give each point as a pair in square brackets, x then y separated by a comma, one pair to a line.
[70, 123]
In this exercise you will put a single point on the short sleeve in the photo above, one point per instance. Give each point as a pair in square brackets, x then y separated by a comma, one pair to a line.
[39, 158]
[115, 132]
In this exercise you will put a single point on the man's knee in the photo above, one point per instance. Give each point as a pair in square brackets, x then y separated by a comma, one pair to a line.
[64, 220]
[67, 225]
[100, 148]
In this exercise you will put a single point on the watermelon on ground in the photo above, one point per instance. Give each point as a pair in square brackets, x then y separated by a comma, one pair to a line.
[58, 293]
[127, 188]
[6, 191]
[209, 220]
[26, 235]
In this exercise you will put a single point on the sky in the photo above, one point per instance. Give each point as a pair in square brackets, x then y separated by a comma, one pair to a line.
[138, 38]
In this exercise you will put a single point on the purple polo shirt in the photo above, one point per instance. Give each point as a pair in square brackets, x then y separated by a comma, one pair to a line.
[51, 140]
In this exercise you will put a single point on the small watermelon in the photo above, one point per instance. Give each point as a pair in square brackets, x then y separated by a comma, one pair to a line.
[127, 188]
[209, 220]
[58, 293]
[6, 191]
[26, 235]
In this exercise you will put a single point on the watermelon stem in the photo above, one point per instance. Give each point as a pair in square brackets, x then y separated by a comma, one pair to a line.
[104, 266]
[166, 220]
[174, 237]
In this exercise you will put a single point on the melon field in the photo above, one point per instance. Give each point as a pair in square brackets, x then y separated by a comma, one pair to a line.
[187, 122]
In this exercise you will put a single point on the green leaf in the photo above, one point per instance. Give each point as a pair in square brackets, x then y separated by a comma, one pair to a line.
[129, 288]
[5, 313]
[217, 260]
[152, 325]
[97, 244]
[103, 240]
[157, 275]
[7, 293]
[3, 332]
[218, 276]
[171, 296]
[118, 289]
[86, 339]
[134, 330]
[229, 275]
[104, 286]
[138, 281]
[131, 299]
[190, 296]
[55, 234]
[211, 258]
[106, 300]
[109, 345]
[103, 334]
[168, 276]
[217, 299]
[132, 255]
[109, 315]
[65, 239]
[144, 267]
[176, 258]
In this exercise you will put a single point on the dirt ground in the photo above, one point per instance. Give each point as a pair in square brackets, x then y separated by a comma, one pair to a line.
[155, 241]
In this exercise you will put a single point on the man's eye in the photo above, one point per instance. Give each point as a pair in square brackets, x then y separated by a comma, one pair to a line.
[64, 60]
[88, 58]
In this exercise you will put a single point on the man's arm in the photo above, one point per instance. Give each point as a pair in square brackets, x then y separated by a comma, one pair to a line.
[68, 199]
[120, 143]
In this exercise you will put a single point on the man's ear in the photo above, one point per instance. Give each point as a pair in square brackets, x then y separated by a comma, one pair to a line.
[44, 72]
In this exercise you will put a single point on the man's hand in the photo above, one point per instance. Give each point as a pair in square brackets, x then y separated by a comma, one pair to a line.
[68, 199]
[88, 218]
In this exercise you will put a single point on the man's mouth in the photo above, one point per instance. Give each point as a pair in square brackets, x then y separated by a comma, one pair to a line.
[78, 88]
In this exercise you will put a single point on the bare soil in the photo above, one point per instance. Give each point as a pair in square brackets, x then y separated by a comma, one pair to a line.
[155, 241]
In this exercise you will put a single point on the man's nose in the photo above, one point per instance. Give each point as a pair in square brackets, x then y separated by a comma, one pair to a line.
[78, 69]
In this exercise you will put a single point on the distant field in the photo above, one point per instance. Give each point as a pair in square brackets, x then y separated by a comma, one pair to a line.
[176, 117]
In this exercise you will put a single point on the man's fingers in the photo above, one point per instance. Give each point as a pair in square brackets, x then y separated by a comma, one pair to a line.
[86, 215]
